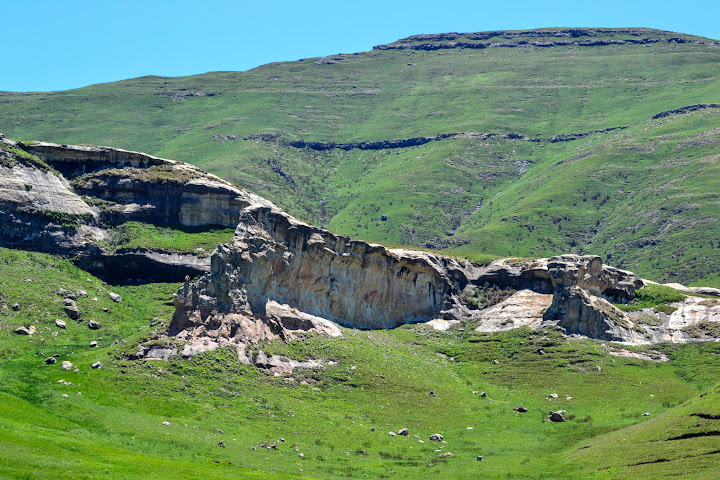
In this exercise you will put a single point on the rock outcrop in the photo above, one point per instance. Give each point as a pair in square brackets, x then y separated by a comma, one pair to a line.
[61, 199]
[276, 257]
[582, 288]
[281, 277]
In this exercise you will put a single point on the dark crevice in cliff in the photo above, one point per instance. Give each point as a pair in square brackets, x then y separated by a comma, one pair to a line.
[688, 109]
[706, 416]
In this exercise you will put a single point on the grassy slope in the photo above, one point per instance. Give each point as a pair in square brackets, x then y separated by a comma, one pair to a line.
[430, 191]
[178, 238]
[383, 379]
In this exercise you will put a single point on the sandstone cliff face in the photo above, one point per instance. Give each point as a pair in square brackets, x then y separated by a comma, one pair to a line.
[169, 195]
[61, 199]
[582, 287]
[275, 257]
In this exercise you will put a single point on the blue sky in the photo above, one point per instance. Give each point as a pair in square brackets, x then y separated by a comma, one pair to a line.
[59, 45]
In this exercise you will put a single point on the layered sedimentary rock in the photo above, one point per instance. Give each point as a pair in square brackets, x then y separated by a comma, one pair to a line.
[60, 198]
[582, 288]
[276, 257]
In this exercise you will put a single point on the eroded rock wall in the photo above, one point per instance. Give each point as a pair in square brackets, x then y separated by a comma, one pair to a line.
[275, 257]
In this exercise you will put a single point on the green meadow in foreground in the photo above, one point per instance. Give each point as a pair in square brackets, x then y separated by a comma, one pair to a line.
[110, 422]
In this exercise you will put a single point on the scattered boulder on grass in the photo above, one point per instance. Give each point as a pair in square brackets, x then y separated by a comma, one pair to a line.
[404, 431]
[392, 434]
[520, 409]
[221, 443]
[60, 324]
[115, 297]
[557, 416]
[16, 306]
[50, 360]
[93, 325]
[96, 365]
[436, 437]
[25, 330]
[82, 293]
[73, 311]
[66, 365]
[479, 458]
[93, 344]
[445, 455]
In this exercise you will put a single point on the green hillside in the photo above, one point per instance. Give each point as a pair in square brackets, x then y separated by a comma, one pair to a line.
[108, 422]
[532, 173]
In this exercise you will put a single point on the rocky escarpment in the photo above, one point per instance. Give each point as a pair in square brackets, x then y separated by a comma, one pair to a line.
[277, 262]
[578, 37]
[582, 287]
[275, 257]
[63, 198]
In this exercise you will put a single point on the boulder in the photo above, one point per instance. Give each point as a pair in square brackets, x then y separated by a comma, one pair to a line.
[115, 297]
[25, 330]
[96, 365]
[73, 311]
[16, 306]
[557, 416]
[714, 292]
[436, 437]
[520, 409]
[66, 365]
[51, 360]
[404, 431]
[93, 325]
[60, 324]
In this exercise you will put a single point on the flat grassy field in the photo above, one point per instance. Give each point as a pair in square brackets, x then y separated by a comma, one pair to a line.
[109, 422]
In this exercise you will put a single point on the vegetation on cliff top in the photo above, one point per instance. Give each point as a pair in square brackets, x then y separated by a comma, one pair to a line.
[199, 241]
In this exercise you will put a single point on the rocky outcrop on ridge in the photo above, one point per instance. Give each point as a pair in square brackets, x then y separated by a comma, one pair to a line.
[579, 37]
[61, 198]
[275, 257]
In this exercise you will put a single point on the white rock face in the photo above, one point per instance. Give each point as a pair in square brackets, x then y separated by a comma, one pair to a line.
[29, 189]
[523, 309]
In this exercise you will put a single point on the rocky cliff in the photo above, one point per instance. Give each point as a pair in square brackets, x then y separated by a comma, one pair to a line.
[63, 198]
[276, 262]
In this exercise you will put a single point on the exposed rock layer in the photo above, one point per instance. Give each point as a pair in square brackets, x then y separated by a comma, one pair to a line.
[275, 258]
[42, 210]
